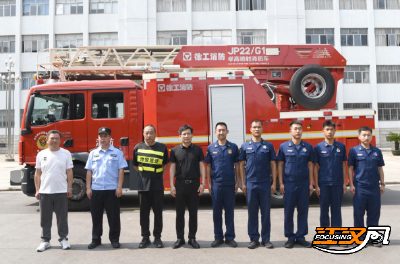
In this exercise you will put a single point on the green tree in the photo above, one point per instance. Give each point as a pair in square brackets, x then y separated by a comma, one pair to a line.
[394, 137]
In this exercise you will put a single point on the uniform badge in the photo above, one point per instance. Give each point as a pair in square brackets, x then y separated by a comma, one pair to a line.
[96, 155]
[215, 152]
[230, 151]
[337, 150]
[249, 148]
[215, 146]
[376, 154]
[113, 155]
[304, 150]
[265, 147]
[290, 150]
[323, 152]
[45, 158]
[290, 144]
[359, 154]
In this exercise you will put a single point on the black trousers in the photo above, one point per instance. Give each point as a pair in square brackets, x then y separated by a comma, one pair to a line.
[101, 200]
[148, 200]
[186, 195]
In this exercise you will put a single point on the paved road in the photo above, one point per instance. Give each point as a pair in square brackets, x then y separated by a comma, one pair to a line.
[20, 235]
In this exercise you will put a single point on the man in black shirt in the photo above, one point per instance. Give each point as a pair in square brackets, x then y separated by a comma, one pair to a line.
[187, 166]
[150, 159]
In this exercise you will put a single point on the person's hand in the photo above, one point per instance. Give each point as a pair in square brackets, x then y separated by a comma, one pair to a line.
[173, 191]
[201, 189]
[282, 189]
[318, 190]
[69, 193]
[118, 192]
[209, 189]
[344, 188]
[37, 195]
[353, 190]
[244, 188]
[89, 193]
[236, 187]
[273, 188]
[311, 189]
[382, 189]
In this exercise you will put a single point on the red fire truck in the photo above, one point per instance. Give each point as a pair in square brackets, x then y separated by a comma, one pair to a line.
[125, 88]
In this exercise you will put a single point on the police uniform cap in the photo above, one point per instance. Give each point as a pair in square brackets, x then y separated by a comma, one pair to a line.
[105, 130]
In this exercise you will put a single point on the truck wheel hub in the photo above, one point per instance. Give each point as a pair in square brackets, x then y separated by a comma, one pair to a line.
[78, 189]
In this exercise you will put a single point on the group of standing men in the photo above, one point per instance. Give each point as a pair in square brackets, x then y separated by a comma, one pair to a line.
[254, 166]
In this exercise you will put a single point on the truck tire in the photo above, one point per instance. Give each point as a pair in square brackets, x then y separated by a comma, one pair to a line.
[276, 197]
[312, 86]
[79, 201]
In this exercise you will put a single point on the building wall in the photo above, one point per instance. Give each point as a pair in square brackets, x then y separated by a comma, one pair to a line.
[285, 21]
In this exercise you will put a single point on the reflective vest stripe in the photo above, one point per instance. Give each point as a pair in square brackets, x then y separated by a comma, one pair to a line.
[144, 168]
[149, 151]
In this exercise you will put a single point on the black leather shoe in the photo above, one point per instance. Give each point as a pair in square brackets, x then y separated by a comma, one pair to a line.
[267, 244]
[145, 243]
[115, 244]
[94, 244]
[193, 243]
[178, 243]
[289, 244]
[217, 242]
[253, 244]
[304, 244]
[231, 243]
[158, 243]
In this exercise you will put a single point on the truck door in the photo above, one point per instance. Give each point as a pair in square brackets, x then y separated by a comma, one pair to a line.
[107, 109]
[227, 105]
[80, 114]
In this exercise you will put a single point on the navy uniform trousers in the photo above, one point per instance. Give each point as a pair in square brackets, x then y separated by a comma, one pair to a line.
[331, 195]
[367, 199]
[223, 197]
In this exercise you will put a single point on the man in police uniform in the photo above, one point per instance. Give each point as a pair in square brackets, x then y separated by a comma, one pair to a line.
[104, 178]
[330, 176]
[150, 159]
[295, 170]
[366, 162]
[257, 159]
[222, 165]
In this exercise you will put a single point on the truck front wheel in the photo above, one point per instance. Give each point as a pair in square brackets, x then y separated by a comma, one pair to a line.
[79, 201]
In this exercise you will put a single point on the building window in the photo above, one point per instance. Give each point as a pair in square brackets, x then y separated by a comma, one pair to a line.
[211, 5]
[3, 86]
[27, 80]
[386, 4]
[389, 111]
[69, 40]
[171, 38]
[354, 36]
[388, 73]
[7, 8]
[320, 36]
[171, 5]
[352, 4]
[347, 106]
[103, 39]
[356, 74]
[257, 36]
[250, 5]
[387, 36]
[35, 7]
[34, 43]
[103, 7]
[318, 4]
[208, 37]
[4, 118]
[69, 7]
[7, 44]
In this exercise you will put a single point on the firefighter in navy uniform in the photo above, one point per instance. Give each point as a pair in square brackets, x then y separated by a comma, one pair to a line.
[257, 159]
[295, 170]
[222, 166]
[104, 178]
[330, 176]
[366, 161]
[150, 159]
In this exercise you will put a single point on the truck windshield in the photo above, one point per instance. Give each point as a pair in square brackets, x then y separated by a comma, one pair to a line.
[50, 108]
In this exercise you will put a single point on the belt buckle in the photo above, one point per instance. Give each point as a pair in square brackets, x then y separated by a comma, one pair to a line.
[187, 181]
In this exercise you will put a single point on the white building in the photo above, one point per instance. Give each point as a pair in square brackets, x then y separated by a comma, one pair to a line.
[366, 32]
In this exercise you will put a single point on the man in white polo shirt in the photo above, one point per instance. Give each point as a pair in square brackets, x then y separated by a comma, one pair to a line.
[53, 181]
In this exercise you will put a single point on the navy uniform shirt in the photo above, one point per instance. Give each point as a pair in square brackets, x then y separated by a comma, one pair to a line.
[330, 159]
[296, 160]
[105, 167]
[222, 159]
[366, 163]
[257, 156]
